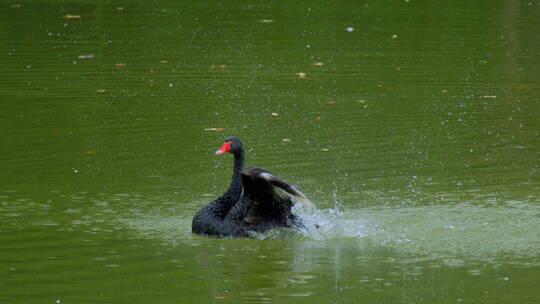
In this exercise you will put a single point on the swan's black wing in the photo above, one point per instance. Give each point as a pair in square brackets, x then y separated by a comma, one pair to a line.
[267, 200]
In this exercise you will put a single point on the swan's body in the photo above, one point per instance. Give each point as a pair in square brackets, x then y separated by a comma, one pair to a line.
[255, 201]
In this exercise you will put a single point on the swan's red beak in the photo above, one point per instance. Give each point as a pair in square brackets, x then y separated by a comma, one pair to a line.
[224, 148]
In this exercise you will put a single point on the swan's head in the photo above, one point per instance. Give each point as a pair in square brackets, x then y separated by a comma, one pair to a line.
[232, 144]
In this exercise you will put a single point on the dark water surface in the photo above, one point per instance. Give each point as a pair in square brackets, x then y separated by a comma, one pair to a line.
[414, 126]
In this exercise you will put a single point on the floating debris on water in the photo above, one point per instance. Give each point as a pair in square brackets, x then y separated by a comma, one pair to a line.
[120, 64]
[275, 114]
[286, 140]
[214, 66]
[318, 63]
[349, 29]
[489, 96]
[394, 36]
[301, 75]
[214, 129]
[266, 20]
[69, 16]
[86, 56]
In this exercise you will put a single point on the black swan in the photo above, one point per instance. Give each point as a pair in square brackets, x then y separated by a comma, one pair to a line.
[255, 201]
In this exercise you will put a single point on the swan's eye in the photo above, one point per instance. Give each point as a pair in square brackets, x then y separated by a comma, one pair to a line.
[226, 147]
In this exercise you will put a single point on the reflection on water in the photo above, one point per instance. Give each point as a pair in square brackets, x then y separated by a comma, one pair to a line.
[465, 230]
[372, 249]
[468, 229]
[461, 230]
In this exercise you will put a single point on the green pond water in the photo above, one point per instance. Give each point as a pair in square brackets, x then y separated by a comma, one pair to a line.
[413, 125]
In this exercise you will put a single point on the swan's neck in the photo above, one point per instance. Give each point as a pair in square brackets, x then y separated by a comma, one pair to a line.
[236, 182]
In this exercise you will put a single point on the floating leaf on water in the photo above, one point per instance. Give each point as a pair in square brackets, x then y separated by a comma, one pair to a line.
[214, 66]
[86, 56]
[214, 129]
[331, 102]
[152, 70]
[69, 16]
[119, 8]
[275, 114]
[163, 61]
[120, 64]
[301, 75]
[318, 118]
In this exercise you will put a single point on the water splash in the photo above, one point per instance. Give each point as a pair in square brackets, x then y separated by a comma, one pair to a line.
[480, 228]
[466, 229]
[323, 224]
